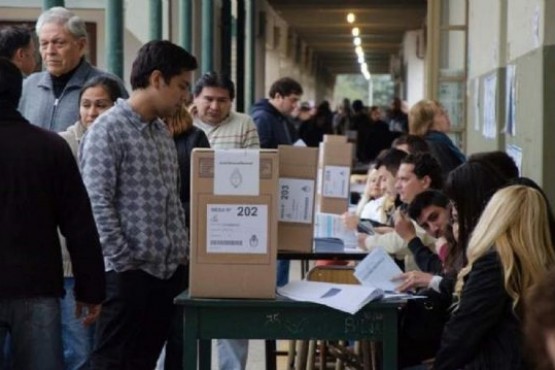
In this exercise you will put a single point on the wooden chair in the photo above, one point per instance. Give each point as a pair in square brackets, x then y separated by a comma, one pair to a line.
[362, 358]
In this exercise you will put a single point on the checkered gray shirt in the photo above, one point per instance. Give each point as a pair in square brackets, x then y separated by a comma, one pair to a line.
[130, 169]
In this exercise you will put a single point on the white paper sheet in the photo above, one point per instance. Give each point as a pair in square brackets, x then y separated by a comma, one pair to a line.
[329, 225]
[377, 270]
[236, 172]
[344, 297]
[296, 200]
[510, 100]
[515, 152]
[237, 228]
[489, 128]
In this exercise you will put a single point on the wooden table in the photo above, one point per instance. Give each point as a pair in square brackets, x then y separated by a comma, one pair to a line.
[280, 318]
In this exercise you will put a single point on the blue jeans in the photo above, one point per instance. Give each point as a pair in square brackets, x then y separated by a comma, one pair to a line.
[232, 353]
[282, 272]
[77, 339]
[35, 332]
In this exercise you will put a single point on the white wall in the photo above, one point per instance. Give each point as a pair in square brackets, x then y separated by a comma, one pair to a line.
[484, 23]
[414, 66]
[525, 31]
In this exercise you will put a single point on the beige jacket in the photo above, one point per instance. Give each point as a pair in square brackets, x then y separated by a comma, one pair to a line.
[72, 136]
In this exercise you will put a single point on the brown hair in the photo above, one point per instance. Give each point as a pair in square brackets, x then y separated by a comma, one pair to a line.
[421, 116]
[180, 122]
[539, 317]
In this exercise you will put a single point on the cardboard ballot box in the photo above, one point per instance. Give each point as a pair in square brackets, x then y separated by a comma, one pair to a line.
[334, 170]
[297, 190]
[233, 223]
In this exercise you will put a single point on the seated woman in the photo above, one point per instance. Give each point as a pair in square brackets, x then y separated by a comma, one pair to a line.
[510, 251]
[428, 119]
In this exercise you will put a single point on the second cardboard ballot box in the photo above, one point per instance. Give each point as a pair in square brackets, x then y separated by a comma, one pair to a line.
[233, 223]
[297, 184]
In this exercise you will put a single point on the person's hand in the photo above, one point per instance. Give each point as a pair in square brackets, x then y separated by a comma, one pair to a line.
[383, 229]
[412, 279]
[350, 220]
[362, 240]
[404, 226]
[87, 311]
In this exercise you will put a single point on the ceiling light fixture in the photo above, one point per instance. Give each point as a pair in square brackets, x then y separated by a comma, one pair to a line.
[350, 17]
[357, 41]
[359, 51]
[360, 59]
[356, 32]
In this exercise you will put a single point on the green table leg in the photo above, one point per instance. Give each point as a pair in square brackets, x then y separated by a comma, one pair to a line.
[190, 332]
[390, 340]
[205, 354]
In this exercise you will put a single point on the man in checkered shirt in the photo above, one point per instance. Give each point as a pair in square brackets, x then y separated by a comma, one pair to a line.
[129, 165]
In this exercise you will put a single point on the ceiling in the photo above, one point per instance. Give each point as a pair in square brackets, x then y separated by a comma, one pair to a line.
[323, 26]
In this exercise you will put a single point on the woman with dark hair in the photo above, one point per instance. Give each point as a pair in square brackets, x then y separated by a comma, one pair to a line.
[186, 138]
[97, 96]
[418, 323]
[470, 186]
[500, 160]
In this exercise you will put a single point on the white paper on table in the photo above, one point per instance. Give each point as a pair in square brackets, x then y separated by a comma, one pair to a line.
[296, 200]
[377, 270]
[329, 225]
[344, 297]
[237, 228]
[236, 172]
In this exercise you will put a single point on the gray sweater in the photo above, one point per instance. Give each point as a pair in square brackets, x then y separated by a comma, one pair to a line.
[39, 105]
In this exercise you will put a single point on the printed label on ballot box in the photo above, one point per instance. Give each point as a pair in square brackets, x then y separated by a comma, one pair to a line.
[237, 228]
[296, 200]
[336, 181]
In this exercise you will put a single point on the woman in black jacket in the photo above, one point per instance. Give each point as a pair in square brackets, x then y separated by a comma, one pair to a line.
[510, 251]
[186, 137]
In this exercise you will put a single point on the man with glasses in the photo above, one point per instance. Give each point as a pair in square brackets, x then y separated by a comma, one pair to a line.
[214, 94]
[271, 116]
[50, 99]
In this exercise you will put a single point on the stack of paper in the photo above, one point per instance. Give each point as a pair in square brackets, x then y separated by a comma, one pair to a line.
[344, 297]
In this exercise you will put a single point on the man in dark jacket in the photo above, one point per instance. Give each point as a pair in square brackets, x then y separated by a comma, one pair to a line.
[271, 115]
[41, 191]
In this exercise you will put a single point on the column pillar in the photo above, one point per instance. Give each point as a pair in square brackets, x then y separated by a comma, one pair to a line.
[207, 62]
[114, 37]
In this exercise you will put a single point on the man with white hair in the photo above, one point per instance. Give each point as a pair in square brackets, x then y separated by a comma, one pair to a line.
[50, 99]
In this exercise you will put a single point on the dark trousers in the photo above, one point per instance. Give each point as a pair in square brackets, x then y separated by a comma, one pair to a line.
[135, 319]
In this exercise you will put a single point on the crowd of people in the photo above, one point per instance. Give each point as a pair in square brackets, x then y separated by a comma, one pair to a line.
[95, 199]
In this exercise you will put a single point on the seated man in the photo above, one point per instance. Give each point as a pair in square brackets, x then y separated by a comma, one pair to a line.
[431, 210]
[416, 174]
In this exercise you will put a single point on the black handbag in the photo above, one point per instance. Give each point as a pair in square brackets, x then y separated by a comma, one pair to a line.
[421, 323]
